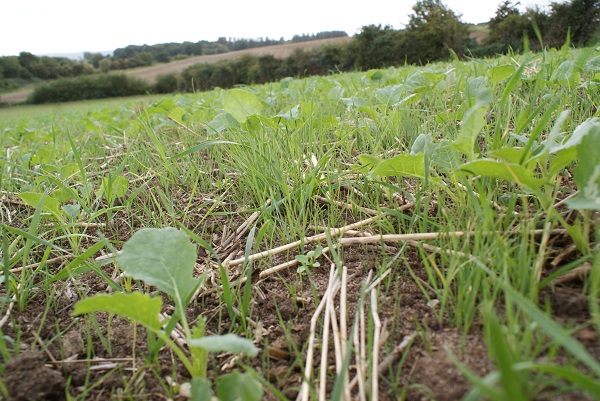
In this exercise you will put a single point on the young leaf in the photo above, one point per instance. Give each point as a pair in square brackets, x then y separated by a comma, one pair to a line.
[566, 73]
[238, 387]
[401, 165]
[587, 173]
[222, 122]
[138, 307]
[49, 204]
[504, 171]
[241, 104]
[201, 390]
[471, 126]
[587, 127]
[225, 343]
[499, 73]
[163, 258]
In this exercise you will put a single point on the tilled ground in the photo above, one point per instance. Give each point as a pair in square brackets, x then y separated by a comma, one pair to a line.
[57, 349]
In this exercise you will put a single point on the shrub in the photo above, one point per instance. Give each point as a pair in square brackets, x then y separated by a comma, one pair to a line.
[167, 83]
[88, 87]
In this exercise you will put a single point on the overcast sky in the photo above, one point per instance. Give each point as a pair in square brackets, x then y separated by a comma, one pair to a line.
[69, 26]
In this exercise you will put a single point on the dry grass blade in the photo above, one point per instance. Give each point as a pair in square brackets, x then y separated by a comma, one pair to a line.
[306, 240]
[436, 235]
[53, 261]
[542, 252]
[349, 206]
[331, 291]
[375, 353]
[305, 388]
[11, 305]
[577, 273]
[344, 327]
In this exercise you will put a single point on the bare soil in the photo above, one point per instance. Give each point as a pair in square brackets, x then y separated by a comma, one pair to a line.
[57, 349]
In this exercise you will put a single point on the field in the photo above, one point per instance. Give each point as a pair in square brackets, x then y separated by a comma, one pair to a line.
[149, 74]
[417, 233]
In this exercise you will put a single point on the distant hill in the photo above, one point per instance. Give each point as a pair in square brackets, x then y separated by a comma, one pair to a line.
[76, 56]
[149, 74]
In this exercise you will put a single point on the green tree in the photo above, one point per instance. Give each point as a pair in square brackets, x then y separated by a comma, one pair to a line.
[509, 27]
[433, 30]
[581, 17]
[10, 67]
[93, 58]
[104, 65]
[374, 47]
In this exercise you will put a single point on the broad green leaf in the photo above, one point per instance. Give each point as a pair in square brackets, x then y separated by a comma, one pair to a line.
[138, 307]
[401, 166]
[565, 71]
[593, 64]
[389, 95]
[69, 171]
[504, 171]
[446, 158]
[500, 73]
[585, 128]
[49, 204]
[587, 173]
[477, 91]
[163, 258]
[177, 113]
[376, 75]
[367, 163]
[201, 390]
[471, 126]
[238, 387]
[222, 122]
[508, 154]
[71, 210]
[424, 144]
[354, 101]
[241, 104]
[225, 343]
[291, 114]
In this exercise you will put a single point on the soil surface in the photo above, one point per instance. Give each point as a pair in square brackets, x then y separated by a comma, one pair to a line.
[108, 359]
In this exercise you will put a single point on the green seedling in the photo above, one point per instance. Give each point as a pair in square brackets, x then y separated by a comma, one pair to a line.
[310, 259]
[165, 258]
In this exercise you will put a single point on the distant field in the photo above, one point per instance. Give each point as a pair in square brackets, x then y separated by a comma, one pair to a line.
[280, 51]
[150, 74]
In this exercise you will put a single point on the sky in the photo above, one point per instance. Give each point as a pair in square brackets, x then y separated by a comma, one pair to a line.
[70, 26]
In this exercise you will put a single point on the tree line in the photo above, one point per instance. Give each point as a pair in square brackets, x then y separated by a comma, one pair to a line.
[434, 33]
[27, 66]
